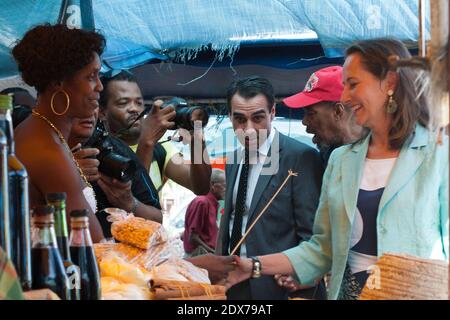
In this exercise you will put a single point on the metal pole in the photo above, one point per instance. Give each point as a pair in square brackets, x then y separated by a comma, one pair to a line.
[422, 29]
[448, 87]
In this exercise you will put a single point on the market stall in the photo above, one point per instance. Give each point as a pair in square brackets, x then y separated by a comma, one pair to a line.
[146, 264]
[142, 262]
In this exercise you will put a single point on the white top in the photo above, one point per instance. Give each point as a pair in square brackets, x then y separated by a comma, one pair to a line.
[90, 198]
[375, 176]
[376, 173]
[255, 168]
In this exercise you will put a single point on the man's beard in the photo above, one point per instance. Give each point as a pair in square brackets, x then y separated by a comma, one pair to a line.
[131, 136]
[331, 144]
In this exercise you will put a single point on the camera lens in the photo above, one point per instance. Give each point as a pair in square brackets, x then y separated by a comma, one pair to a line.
[184, 113]
[117, 167]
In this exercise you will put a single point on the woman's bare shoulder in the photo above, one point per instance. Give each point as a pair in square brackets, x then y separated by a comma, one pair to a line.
[34, 139]
[40, 151]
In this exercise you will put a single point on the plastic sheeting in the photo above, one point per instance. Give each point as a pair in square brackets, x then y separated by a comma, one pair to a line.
[138, 31]
[339, 22]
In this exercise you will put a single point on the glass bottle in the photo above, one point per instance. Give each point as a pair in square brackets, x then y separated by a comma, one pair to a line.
[19, 211]
[83, 256]
[48, 268]
[58, 201]
[5, 229]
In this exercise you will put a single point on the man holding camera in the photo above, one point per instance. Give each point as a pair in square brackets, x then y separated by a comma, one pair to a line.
[137, 194]
[120, 104]
[111, 192]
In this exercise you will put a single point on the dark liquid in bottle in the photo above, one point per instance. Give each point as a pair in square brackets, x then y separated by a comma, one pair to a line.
[14, 222]
[63, 246]
[49, 272]
[3, 237]
[84, 258]
[20, 241]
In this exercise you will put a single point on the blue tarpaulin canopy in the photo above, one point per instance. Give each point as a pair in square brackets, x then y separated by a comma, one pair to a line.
[138, 31]
[213, 41]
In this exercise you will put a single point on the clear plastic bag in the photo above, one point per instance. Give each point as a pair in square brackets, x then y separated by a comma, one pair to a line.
[180, 270]
[145, 244]
[161, 253]
[147, 259]
[135, 231]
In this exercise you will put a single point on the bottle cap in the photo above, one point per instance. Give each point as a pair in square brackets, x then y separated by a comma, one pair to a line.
[6, 101]
[43, 214]
[55, 196]
[43, 210]
[78, 213]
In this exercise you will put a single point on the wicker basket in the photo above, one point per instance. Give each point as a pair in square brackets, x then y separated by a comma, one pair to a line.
[403, 277]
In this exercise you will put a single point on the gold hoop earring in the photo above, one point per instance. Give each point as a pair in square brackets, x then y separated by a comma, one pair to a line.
[392, 104]
[67, 102]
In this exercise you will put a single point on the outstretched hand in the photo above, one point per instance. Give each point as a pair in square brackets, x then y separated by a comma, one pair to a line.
[290, 284]
[287, 282]
[242, 271]
[218, 267]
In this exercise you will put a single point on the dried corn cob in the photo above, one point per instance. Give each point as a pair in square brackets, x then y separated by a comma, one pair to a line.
[138, 232]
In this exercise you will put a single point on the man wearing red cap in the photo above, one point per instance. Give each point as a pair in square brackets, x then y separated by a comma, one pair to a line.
[331, 122]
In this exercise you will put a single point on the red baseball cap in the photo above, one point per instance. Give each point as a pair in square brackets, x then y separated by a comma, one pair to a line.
[323, 85]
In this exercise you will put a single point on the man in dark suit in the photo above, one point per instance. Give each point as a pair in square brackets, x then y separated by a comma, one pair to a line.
[254, 173]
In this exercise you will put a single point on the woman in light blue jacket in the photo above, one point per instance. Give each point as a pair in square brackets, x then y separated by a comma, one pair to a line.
[385, 193]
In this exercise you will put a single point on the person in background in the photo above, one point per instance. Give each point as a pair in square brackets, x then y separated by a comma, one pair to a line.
[138, 195]
[63, 65]
[332, 123]
[141, 188]
[254, 173]
[200, 224]
[120, 104]
[365, 206]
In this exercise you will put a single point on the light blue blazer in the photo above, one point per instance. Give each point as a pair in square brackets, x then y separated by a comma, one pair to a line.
[412, 215]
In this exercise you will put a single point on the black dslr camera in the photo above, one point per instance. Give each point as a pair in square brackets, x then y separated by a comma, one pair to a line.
[111, 164]
[184, 113]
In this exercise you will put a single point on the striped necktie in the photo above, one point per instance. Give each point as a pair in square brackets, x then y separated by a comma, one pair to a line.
[240, 207]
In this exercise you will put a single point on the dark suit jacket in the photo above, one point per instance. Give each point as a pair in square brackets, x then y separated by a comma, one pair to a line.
[288, 220]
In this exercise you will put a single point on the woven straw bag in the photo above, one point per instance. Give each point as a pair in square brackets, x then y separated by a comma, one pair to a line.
[404, 277]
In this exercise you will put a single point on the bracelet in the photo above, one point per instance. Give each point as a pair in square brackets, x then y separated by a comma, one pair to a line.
[256, 270]
[135, 205]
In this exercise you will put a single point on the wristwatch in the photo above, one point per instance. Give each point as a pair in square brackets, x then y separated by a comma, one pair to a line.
[256, 270]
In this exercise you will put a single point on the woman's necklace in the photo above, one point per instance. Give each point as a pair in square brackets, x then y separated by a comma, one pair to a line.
[63, 141]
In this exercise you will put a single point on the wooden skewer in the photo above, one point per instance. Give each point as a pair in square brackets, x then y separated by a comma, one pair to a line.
[290, 174]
